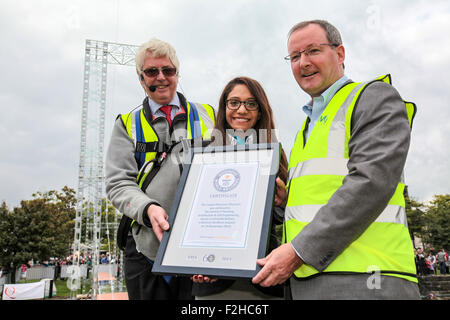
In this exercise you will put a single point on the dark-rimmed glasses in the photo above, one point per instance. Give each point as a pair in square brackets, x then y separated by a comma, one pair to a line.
[312, 50]
[166, 71]
[250, 105]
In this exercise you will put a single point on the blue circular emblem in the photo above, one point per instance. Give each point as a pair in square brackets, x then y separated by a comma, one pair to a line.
[226, 180]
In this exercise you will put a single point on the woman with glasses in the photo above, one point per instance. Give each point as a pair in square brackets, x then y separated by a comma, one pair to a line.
[244, 117]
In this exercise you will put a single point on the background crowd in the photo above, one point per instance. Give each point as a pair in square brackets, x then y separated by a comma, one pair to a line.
[85, 259]
[431, 263]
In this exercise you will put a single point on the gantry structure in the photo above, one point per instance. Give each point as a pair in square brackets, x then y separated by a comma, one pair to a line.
[91, 178]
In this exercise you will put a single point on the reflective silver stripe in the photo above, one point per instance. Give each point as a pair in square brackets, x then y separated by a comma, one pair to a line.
[318, 166]
[336, 142]
[306, 213]
[204, 116]
[393, 214]
[133, 126]
[295, 171]
[147, 167]
[336, 135]
[341, 114]
[335, 163]
[144, 170]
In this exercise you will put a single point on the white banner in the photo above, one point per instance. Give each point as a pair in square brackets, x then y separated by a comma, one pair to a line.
[24, 291]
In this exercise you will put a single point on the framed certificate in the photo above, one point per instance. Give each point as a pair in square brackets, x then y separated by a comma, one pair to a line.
[221, 214]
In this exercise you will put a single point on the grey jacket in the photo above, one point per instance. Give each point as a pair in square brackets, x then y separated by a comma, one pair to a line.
[121, 171]
[378, 147]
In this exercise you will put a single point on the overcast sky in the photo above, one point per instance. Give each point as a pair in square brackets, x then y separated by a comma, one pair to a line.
[42, 60]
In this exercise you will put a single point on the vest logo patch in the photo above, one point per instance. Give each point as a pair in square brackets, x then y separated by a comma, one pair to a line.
[323, 119]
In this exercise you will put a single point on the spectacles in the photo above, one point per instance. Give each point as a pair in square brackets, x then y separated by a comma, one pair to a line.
[250, 105]
[166, 71]
[313, 50]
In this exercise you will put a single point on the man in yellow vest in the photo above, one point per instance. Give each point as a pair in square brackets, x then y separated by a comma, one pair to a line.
[345, 231]
[142, 141]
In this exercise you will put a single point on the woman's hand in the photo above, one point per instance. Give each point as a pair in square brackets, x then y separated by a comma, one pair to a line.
[280, 193]
[198, 278]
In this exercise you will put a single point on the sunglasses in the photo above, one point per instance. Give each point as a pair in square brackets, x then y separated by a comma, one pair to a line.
[154, 72]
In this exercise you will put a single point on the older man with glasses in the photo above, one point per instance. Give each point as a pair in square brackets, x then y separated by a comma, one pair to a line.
[345, 232]
[141, 179]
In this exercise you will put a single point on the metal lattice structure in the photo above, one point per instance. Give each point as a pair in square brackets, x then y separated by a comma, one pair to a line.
[98, 54]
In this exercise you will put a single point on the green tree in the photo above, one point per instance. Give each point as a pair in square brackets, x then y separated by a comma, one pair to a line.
[415, 216]
[437, 217]
[39, 229]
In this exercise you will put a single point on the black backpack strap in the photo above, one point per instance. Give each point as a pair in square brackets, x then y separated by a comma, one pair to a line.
[147, 146]
[154, 146]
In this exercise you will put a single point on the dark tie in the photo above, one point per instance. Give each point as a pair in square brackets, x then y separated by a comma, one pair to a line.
[167, 110]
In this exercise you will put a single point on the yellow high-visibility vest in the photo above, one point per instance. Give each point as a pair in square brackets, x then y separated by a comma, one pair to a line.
[317, 170]
[200, 121]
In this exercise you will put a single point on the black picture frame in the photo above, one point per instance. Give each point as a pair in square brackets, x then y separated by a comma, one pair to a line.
[269, 155]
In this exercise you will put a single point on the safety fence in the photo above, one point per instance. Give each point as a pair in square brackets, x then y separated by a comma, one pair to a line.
[59, 272]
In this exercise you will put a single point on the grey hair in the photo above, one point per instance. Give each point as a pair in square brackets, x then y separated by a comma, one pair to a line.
[158, 48]
[332, 33]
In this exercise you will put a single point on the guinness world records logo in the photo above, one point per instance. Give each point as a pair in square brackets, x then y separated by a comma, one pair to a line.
[226, 180]
[209, 258]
